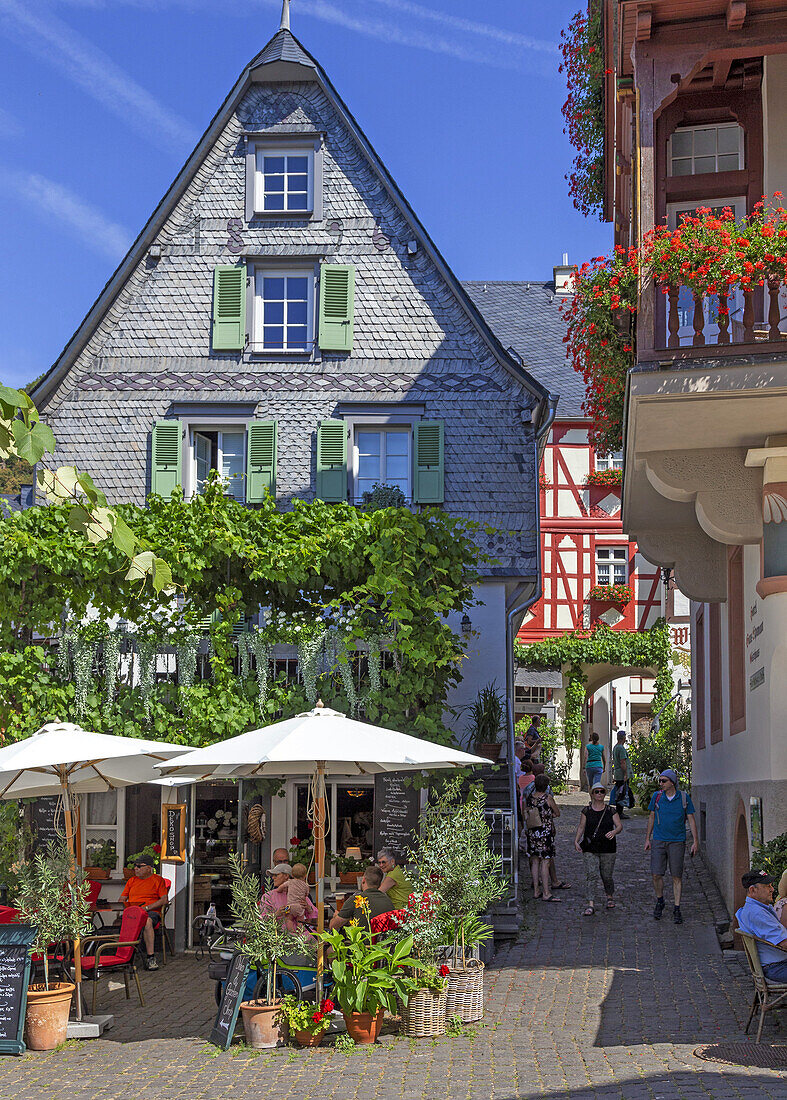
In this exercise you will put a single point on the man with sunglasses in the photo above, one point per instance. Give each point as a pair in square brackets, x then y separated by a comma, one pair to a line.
[669, 810]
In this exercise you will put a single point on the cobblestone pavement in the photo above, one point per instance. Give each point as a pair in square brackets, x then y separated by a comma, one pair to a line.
[601, 1008]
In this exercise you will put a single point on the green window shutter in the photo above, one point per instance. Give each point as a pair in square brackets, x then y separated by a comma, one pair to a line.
[165, 457]
[261, 440]
[229, 308]
[429, 480]
[332, 461]
[337, 306]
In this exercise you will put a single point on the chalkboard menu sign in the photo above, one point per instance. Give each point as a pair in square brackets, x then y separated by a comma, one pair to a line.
[227, 1016]
[173, 830]
[15, 942]
[42, 820]
[396, 811]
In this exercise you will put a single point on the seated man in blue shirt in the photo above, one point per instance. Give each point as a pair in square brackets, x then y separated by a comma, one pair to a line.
[758, 918]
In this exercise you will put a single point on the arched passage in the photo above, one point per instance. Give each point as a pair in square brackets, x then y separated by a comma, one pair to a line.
[741, 854]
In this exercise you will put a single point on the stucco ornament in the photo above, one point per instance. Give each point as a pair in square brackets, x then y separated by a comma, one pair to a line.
[774, 507]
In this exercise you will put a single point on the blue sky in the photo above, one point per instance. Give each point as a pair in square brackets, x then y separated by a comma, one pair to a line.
[101, 101]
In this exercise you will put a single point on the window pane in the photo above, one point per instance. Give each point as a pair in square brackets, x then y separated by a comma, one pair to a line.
[395, 467]
[232, 461]
[273, 338]
[620, 555]
[296, 288]
[102, 808]
[620, 574]
[368, 443]
[729, 139]
[369, 467]
[274, 202]
[728, 163]
[704, 164]
[273, 164]
[395, 443]
[602, 554]
[298, 183]
[297, 164]
[705, 142]
[603, 574]
[681, 143]
[273, 288]
[681, 167]
[296, 202]
[274, 313]
[296, 336]
[296, 313]
[274, 183]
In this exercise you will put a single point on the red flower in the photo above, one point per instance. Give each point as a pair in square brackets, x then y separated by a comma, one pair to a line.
[444, 971]
[317, 1016]
[327, 1005]
[294, 840]
[157, 848]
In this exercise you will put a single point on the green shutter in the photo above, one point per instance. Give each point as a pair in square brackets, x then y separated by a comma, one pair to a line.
[332, 461]
[337, 306]
[165, 457]
[229, 308]
[429, 466]
[261, 443]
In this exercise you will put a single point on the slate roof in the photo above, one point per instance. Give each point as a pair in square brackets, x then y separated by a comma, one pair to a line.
[526, 316]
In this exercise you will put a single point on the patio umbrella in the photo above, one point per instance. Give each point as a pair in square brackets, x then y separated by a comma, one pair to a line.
[62, 758]
[320, 742]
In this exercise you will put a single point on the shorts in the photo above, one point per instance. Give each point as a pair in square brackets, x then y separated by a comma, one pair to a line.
[663, 852]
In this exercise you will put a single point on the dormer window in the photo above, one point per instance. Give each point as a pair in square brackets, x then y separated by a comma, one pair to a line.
[284, 176]
[698, 150]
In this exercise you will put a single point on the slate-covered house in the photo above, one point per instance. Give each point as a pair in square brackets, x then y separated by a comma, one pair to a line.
[284, 317]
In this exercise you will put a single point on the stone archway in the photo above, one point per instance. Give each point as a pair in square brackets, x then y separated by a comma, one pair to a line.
[741, 858]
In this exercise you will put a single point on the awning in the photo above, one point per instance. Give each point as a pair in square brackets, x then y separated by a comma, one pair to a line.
[539, 678]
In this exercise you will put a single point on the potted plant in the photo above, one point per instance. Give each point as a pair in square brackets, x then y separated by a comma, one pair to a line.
[266, 943]
[452, 854]
[487, 721]
[348, 868]
[100, 858]
[423, 1015]
[368, 977]
[306, 1022]
[53, 897]
[152, 850]
[302, 851]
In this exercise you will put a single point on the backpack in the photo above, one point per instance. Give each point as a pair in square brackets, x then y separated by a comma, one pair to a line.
[683, 798]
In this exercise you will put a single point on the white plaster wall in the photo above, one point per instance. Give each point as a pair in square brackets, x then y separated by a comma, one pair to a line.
[486, 651]
[774, 112]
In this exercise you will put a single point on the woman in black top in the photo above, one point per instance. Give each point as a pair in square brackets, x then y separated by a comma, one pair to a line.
[598, 826]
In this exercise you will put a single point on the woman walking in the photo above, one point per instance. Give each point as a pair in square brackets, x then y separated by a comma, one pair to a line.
[595, 761]
[598, 826]
[539, 812]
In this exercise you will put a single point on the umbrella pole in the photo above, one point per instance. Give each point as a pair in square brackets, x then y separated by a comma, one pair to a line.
[319, 855]
[66, 795]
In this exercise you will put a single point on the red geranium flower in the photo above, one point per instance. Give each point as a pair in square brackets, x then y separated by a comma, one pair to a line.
[294, 840]
[317, 1016]
[328, 1005]
[157, 848]
[444, 971]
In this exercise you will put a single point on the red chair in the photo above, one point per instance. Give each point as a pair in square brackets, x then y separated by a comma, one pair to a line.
[8, 915]
[117, 955]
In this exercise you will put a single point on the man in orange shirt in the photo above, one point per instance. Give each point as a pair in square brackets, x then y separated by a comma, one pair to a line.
[149, 891]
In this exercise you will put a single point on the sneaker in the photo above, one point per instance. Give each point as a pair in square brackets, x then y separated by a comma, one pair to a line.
[150, 963]
[658, 908]
[677, 916]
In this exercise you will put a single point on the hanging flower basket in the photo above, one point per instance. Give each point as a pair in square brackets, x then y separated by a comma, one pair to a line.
[465, 992]
[424, 1015]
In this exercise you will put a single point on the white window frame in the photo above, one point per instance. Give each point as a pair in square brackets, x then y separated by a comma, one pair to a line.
[530, 696]
[610, 462]
[257, 341]
[393, 429]
[610, 563]
[693, 130]
[262, 151]
[309, 143]
[198, 426]
[119, 828]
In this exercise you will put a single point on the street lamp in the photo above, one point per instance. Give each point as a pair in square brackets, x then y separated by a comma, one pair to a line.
[654, 722]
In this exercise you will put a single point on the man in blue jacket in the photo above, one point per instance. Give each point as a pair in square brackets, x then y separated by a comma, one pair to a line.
[758, 917]
[670, 810]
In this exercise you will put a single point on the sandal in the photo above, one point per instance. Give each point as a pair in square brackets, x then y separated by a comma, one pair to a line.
[589, 912]
[610, 903]
[552, 898]
[562, 886]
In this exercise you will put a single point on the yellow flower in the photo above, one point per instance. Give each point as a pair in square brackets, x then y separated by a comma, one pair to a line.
[354, 922]
[362, 903]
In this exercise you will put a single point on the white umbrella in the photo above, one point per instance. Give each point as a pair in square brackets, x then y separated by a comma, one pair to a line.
[62, 758]
[321, 742]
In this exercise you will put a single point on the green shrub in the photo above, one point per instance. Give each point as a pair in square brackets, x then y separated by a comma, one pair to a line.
[772, 857]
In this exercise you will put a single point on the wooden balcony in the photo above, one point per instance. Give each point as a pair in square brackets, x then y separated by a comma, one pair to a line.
[736, 323]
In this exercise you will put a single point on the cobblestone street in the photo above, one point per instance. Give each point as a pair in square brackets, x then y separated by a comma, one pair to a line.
[606, 1007]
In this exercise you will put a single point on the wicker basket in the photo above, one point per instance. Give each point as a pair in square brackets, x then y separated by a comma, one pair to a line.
[424, 1014]
[465, 992]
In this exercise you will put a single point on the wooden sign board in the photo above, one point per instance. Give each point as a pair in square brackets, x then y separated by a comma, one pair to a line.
[227, 1015]
[15, 943]
[173, 832]
[397, 807]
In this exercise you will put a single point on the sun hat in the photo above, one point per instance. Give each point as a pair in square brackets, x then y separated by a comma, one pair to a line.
[280, 869]
[598, 787]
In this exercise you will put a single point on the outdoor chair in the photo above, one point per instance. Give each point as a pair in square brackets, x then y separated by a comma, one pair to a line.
[767, 994]
[113, 956]
[162, 929]
[8, 915]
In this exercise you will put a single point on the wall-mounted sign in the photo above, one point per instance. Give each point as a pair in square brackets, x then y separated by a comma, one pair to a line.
[755, 820]
[173, 832]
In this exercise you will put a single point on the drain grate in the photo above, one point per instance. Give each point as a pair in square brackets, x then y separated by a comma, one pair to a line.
[751, 1055]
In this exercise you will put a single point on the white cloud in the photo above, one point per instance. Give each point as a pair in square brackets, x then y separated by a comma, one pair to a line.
[96, 73]
[94, 230]
[468, 40]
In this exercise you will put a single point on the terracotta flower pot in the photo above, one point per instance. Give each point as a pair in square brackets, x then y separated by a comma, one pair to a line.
[46, 1019]
[349, 878]
[491, 750]
[96, 874]
[306, 1039]
[263, 1026]
[363, 1027]
[128, 872]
